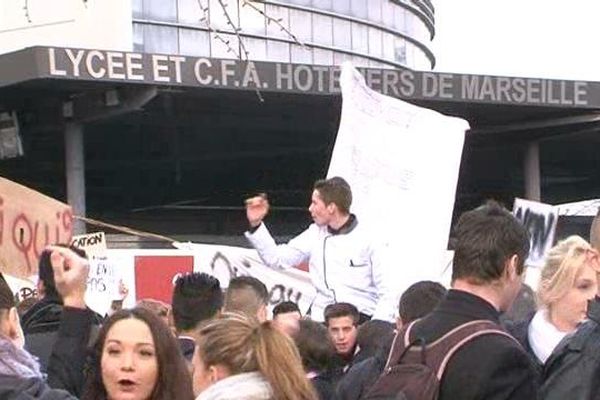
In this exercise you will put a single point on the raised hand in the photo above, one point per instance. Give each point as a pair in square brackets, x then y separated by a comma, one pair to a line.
[70, 275]
[257, 208]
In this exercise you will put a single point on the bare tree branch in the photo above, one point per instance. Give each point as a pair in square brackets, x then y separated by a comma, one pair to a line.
[276, 21]
[216, 33]
[26, 8]
[236, 30]
[243, 51]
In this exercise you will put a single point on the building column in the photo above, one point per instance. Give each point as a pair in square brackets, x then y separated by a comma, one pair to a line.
[75, 171]
[532, 172]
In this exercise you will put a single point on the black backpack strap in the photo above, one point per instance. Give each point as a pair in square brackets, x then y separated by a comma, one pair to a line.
[439, 352]
[400, 345]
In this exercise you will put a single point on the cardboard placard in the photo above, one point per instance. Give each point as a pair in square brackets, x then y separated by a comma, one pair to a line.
[29, 221]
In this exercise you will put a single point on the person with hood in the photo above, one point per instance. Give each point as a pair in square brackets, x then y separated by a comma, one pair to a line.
[20, 373]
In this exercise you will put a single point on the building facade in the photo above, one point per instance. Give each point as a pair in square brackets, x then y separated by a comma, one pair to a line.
[370, 33]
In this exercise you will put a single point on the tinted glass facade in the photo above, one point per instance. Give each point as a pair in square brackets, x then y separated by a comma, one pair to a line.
[370, 33]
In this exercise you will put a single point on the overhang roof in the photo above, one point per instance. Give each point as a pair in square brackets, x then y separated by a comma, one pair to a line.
[491, 104]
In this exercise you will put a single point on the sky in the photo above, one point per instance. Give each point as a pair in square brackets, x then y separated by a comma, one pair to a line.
[528, 38]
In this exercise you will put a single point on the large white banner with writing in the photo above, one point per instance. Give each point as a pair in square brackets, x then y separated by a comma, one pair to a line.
[540, 220]
[402, 162]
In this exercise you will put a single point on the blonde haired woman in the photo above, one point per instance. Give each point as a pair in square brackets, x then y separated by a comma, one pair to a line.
[568, 280]
[238, 358]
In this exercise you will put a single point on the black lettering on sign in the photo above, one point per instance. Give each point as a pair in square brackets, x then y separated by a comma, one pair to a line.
[540, 228]
[279, 293]
[221, 267]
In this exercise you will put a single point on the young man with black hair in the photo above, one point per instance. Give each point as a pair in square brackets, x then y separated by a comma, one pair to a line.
[418, 300]
[286, 317]
[41, 322]
[197, 297]
[342, 320]
[490, 252]
[344, 263]
[247, 295]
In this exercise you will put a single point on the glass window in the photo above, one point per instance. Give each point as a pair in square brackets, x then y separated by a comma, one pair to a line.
[388, 46]
[387, 13]
[323, 57]
[257, 49]
[137, 8]
[360, 38]
[322, 29]
[160, 10]
[400, 20]
[342, 34]
[278, 51]
[339, 58]
[194, 43]
[251, 20]
[359, 8]
[161, 39]
[190, 11]
[225, 47]
[300, 2]
[400, 51]
[358, 61]
[282, 14]
[301, 55]
[374, 11]
[218, 18]
[301, 25]
[341, 7]
[138, 37]
[323, 4]
[375, 42]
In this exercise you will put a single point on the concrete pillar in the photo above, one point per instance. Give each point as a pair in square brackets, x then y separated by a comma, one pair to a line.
[75, 171]
[533, 187]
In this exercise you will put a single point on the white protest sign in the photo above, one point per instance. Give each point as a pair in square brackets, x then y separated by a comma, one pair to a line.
[22, 288]
[226, 262]
[402, 162]
[92, 243]
[540, 220]
[102, 284]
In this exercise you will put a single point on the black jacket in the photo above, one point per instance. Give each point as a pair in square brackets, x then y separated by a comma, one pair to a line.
[41, 324]
[572, 370]
[14, 388]
[66, 367]
[360, 378]
[520, 331]
[490, 367]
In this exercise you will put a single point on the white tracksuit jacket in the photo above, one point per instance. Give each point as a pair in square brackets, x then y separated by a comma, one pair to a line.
[344, 267]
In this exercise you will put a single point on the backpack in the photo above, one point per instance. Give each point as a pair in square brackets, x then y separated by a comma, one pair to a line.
[414, 369]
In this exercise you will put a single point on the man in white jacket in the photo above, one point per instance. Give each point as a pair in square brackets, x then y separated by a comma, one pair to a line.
[344, 264]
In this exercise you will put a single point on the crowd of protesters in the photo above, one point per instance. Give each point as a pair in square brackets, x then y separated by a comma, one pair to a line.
[216, 343]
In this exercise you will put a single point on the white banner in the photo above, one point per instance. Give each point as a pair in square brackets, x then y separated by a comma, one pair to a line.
[540, 220]
[226, 262]
[402, 162]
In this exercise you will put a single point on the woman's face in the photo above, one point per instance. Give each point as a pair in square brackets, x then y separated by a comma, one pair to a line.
[202, 376]
[572, 307]
[129, 364]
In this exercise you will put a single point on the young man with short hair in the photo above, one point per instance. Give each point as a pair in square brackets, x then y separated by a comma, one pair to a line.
[342, 320]
[344, 263]
[487, 272]
[197, 297]
[247, 295]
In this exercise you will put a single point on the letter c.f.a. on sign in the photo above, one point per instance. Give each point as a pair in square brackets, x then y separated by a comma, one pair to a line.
[540, 220]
